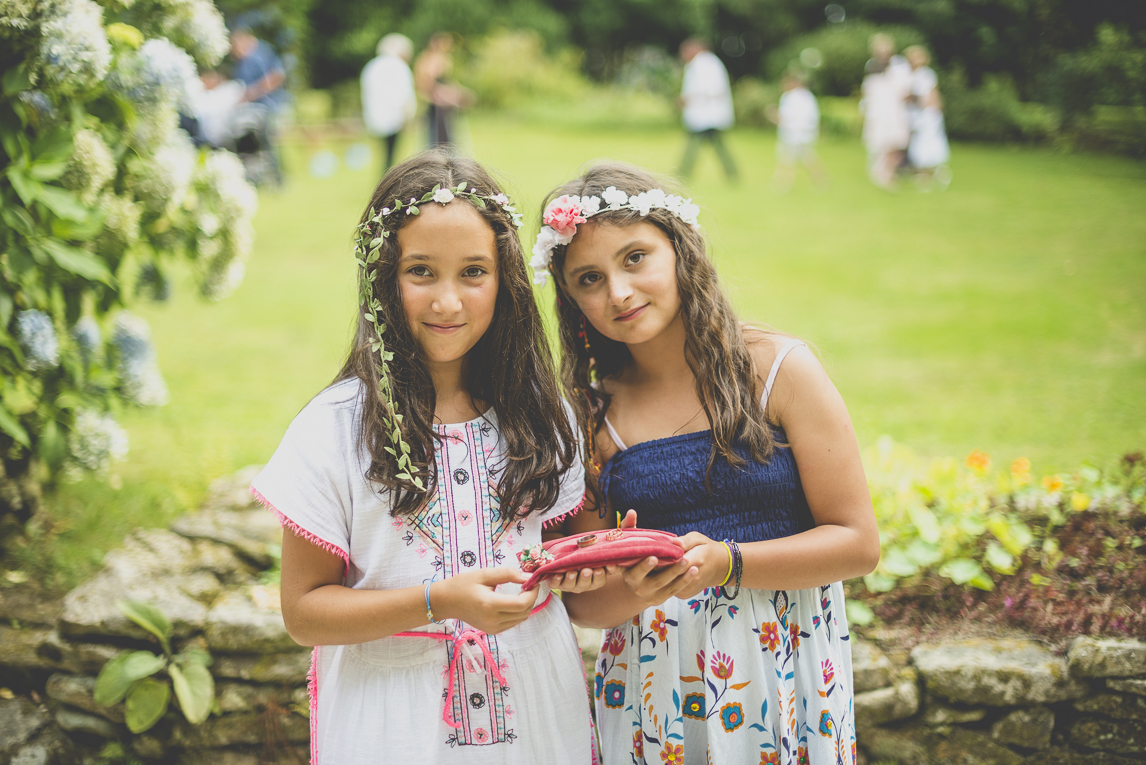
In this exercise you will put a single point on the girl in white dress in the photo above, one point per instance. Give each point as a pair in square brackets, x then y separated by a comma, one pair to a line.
[929, 151]
[408, 487]
[735, 440]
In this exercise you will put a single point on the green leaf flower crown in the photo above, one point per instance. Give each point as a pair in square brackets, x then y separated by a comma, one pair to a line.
[367, 244]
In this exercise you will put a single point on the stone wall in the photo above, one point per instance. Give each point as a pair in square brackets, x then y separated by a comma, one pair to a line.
[1002, 702]
[965, 702]
[203, 574]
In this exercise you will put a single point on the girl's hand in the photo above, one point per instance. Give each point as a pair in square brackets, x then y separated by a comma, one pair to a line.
[472, 597]
[585, 580]
[710, 558]
[655, 587]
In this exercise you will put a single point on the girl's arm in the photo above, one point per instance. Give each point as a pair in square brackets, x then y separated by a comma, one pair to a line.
[319, 610]
[845, 541]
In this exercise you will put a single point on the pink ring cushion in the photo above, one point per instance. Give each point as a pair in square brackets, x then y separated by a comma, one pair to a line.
[623, 547]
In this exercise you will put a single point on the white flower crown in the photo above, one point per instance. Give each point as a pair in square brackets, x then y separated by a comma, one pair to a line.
[564, 213]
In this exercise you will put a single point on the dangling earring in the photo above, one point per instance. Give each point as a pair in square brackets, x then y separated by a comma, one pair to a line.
[584, 335]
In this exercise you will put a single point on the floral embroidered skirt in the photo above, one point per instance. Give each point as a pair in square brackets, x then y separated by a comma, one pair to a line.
[765, 677]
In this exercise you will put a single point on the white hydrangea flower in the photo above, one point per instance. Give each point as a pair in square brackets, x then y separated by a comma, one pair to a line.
[87, 336]
[152, 132]
[590, 205]
[74, 51]
[157, 76]
[443, 196]
[16, 14]
[162, 180]
[198, 27]
[614, 198]
[141, 379]
[223, 278]
[120, 222]
[91, 166]
[37, 335]
[97, 440]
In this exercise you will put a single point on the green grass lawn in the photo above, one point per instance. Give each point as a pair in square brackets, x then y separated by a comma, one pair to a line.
[1005, 314]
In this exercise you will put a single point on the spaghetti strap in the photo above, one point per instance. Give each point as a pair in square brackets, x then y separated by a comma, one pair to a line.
[789, 346]
[613, 435]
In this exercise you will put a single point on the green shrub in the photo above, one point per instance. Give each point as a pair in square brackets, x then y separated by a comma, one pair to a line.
[509, 68]
[132, 677]
[100, 194]
[969, 525]
[753, 99]
[992, 112]
[843, 52]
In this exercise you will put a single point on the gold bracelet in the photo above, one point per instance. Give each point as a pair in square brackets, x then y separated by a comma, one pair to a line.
[728, 547]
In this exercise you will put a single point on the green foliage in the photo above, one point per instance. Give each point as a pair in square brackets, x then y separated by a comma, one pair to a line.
[131, 678]
[510, 67]
[842, 53]
[993, 112]
[966, 524]
[100, 193]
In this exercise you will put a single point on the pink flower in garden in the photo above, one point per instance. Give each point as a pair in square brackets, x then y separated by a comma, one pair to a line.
[722, 665]
[563, 214]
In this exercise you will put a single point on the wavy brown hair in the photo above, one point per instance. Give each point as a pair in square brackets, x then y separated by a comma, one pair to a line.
[510, 368]
[714, 347]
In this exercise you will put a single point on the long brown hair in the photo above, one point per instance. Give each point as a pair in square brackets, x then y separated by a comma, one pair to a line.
[714, 348]
[510, 368]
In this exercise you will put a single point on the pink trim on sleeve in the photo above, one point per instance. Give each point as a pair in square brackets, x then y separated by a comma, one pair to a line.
[548, 523]
[312, 691]
[300, 531]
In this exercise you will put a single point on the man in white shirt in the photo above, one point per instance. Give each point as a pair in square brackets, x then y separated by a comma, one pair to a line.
[706, 104]
[388, 100]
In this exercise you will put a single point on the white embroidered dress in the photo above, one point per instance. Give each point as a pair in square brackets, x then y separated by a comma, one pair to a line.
[383, 701]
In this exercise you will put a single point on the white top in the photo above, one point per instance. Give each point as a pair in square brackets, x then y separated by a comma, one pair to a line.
[388, 696]
[706, 93]
[215, 108]
[886, 124]
[923, 81]
[799, 117]
[388, 100]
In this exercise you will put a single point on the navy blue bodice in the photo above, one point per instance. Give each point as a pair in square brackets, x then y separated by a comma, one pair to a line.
[663, 480]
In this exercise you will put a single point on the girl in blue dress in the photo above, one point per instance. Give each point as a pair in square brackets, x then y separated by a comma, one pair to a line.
[732, 438]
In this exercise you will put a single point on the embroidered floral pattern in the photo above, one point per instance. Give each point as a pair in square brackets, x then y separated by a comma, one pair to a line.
[734, 666]
[731, 716]
[672, 754]
[614, 694]
[694, 706]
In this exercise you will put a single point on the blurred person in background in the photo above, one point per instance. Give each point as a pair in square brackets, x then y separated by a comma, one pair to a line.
[259, 69]
[706, 105]
[798, 128]
[432, 78]
[886, 129]
[928, 151]
[388, 100]
[214, 102]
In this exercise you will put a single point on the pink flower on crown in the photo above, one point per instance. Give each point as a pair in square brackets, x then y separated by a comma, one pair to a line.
[563, 215]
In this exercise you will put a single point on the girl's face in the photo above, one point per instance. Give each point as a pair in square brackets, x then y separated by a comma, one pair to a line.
[623, 278]
[447, 277]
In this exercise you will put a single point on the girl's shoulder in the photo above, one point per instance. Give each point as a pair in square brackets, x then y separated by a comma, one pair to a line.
[798, 362]
[333, 414]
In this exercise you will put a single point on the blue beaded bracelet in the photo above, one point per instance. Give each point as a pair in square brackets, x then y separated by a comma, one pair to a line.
[430, 611]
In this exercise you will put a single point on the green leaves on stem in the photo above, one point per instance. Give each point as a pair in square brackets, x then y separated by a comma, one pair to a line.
[131, 676]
